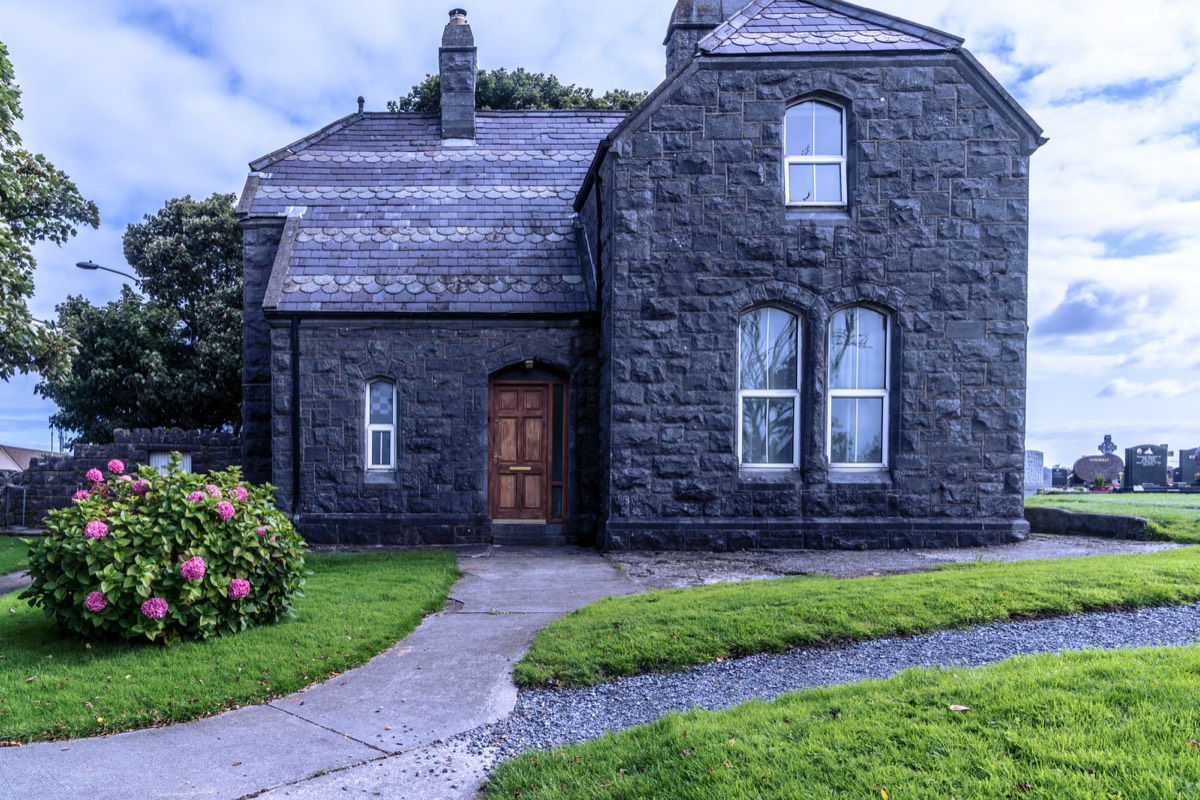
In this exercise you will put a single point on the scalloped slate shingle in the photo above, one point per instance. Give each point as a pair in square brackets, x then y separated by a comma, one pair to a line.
[791, 26]
[395, 220]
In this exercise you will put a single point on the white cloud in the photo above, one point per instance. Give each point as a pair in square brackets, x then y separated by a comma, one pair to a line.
[1167, 387]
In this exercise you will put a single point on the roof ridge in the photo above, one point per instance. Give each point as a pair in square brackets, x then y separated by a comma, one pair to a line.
[755, 9]
[258, 165]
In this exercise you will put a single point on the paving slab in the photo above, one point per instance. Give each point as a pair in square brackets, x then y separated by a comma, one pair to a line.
[235, 754]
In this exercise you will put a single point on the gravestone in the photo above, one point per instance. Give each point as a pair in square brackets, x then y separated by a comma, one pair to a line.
[1110, 466]
[1188, 466]
[1146, 465]
[1060, 478]
[1034, 475]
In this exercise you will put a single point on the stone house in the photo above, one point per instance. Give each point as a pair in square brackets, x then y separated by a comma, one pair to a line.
[782, 303]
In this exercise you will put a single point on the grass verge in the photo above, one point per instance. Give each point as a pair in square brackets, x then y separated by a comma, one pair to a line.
[1174, 517]
[671, 630]
[355, 606]
[14, 554]
[1119, 724]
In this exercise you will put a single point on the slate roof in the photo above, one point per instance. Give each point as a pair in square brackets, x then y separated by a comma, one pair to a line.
[16, 459]
[793, 26]
[391, 218]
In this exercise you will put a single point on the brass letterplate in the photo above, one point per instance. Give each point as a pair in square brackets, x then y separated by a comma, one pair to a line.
[520, 469]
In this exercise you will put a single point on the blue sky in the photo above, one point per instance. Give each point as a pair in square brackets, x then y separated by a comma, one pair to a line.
[142, 100]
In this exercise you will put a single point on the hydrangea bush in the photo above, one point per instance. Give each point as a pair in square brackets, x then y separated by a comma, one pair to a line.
[166, 557]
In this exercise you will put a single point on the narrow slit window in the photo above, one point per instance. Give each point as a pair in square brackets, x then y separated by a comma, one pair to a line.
[381, 425]
[815, 154]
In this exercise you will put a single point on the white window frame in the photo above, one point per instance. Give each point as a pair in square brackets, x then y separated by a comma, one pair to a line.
[372, 429]
[790, 160]
[883, 394]
[794, 394]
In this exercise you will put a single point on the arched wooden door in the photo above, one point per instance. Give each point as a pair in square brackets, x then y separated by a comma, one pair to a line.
[527, 451]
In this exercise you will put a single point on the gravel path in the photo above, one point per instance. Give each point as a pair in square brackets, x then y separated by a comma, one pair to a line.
[546, 719]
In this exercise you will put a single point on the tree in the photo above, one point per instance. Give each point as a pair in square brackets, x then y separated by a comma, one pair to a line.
[38, 203]
[500, 89]
[174, 359]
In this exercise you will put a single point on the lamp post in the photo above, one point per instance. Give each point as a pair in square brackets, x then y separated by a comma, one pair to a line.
[91, 265]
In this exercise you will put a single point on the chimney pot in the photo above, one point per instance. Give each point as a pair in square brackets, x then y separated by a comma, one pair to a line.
[458, 16]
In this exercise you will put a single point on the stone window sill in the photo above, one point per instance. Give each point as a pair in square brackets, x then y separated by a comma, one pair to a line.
[789, 476]
[381, 477]
[861, 477]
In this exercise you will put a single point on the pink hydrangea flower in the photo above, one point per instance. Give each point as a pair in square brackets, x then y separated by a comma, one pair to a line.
[212, 490]
[225, 511]
[238, 588]
[95, 530]
[94, 475]
[240, 494]
[140, 486]
[95, 602]
[261, 531]
[196, 497]
[80, 496]
[125, 478]
[192, 569]
[154, 608]
[116, 465]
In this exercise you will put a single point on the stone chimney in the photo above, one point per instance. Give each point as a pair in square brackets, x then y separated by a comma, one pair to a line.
[691, 21]
[457, 66]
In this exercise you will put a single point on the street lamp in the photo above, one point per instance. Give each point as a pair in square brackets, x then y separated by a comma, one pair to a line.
[91, 265]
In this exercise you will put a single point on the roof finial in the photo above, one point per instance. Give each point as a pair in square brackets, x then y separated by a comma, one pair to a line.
[361, 102]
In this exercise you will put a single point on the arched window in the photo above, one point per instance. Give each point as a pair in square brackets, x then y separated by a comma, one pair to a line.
[381, 425]
[769, 388]
[814, 148]
[858, 388]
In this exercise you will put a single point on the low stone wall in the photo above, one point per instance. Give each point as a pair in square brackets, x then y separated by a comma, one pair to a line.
[50, 482]
[1108, 526]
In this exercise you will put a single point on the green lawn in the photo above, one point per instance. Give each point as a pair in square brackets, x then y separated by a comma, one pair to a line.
[355, 606]
[13, 554]
[1078, 726]
[1175, 517]
[671, 630]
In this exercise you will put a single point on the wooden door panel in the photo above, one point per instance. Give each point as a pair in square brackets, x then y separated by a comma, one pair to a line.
[534, 492]
[507, 494]
[533, 443]
[506, 439]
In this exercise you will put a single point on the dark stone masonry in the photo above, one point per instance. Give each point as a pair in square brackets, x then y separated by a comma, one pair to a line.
[566, 306]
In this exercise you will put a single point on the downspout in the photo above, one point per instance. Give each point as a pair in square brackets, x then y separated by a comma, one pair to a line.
[295, 421]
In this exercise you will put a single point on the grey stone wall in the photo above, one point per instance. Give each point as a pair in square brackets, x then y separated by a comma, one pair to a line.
[935, 234]
[260, 242]
[49, 483]
[441, 368]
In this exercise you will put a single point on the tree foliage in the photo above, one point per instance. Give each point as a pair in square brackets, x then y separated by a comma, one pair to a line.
[38, 203]
[499, 89]
[172, 359]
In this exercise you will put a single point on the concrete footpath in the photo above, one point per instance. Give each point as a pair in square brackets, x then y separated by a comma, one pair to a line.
[374, 731]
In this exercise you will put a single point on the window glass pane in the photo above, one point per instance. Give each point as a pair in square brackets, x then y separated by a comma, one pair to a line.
[827, 122]
[556, 504]
[858, 350]
[753, 363]
[828, 183]
[798, 130]
[768, 430]
[856, 430]
[556, 452]
[781, 421]
[754, 430]
[381, 448]
[801, 183]
[781, 352]
[381, 403]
